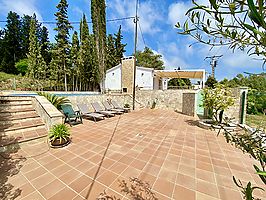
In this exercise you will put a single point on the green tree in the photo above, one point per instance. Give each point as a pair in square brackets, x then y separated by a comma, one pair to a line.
[22, 66]
[11, 43]
[237, 24]
[147, 58]
[211, 82]
[74, 53]
[25, 33]
[111, 59]
[98, 17]
[179, 82]
[119, 46]
[216, 100]
[45, 48]
[36, 64]
[62, 44]
[87, 59]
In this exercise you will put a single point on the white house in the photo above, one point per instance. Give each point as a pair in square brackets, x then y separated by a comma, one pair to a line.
[120, 77]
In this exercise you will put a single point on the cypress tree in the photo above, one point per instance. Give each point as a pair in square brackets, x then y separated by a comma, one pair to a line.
[110, 52]
[98, 17]
[88, 64]
[62, 45]
[36, 64]
[74, 51]
[119, 47]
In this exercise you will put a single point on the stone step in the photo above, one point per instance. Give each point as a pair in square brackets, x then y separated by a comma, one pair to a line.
[23, 136]
[15, 111]
[22, 126]
[18, 118]
[14, 98]
[15, 102]
[6, 107]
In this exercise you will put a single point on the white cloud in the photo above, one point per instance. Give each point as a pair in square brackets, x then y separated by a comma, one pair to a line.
[148, 13]
[177, 12]
[21, 7]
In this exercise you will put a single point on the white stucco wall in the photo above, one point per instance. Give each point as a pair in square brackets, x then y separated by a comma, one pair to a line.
[113, 78]
[144, 78]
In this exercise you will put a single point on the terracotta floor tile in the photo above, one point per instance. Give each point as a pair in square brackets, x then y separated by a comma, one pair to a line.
[159, 146]
[228, 194]
[65, 193]
[202, 196]
[43, 180]
[51, 189]
[205, 176]
[25, 190]
[186, 181]
[70, 176]
[207, 188]
[184, 193]
[164, 187]
[187, 170]
[107, 178]
[34, 195]
[80, 183]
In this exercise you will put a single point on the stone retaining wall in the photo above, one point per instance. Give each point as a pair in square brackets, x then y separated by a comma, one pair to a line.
[47, 111]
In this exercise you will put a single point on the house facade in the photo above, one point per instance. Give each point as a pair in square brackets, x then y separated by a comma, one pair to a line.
[120, 78]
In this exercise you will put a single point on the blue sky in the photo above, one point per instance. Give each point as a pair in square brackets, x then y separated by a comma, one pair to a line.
[157, 19]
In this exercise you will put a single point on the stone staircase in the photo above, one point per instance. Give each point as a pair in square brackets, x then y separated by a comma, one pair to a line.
[19, 122]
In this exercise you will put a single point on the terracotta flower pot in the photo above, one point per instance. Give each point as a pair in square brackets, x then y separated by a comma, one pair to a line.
[57, 143]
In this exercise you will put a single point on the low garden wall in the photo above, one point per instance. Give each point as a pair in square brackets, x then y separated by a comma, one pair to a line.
[47, 111]
[164, 99]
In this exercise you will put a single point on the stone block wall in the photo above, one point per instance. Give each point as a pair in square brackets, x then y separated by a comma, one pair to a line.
[165, 99]
[128, 74]
[189, 104]
[121, 99]
[235, 110]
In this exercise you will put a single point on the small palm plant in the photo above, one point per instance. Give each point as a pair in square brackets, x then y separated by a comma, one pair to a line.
[55, 100]
[59, 132]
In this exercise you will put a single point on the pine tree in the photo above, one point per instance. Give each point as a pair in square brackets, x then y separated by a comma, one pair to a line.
[62, 45]
[74, 52]
[110, 52]
[45, 49]
[36, 64]
[98, 17]
[11, 43]
[119, 47]
[25, 33]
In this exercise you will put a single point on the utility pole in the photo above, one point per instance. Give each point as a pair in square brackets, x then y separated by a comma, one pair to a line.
[213, 63]
[135, 51]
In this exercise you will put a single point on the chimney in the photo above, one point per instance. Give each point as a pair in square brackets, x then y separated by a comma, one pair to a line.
[127, 74]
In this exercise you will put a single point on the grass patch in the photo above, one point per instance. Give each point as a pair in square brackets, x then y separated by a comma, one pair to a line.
[5, 76]
[256, 121]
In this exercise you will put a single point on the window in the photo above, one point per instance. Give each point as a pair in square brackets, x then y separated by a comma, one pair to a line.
[125, 90]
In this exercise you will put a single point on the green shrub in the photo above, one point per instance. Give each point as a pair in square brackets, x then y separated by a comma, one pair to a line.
[22, 66]
[59, 131]
[55, 100]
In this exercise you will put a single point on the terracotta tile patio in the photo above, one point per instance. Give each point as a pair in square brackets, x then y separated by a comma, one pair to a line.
[164, 148]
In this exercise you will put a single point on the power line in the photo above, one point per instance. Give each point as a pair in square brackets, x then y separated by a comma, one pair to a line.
[77, 22]
[142, 35]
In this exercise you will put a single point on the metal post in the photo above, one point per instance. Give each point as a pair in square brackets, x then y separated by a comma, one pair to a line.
[243, 107]
[135, 51]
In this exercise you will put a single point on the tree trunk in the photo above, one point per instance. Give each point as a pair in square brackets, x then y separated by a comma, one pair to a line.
[65, 76]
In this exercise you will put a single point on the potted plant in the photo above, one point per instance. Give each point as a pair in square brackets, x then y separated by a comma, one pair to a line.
[59, 135]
